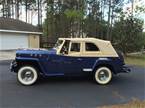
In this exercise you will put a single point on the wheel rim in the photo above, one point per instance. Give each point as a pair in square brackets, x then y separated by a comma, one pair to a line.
[27, 75]
[103, 75]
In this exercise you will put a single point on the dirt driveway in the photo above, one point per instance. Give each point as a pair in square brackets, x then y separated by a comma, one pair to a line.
[7, 55]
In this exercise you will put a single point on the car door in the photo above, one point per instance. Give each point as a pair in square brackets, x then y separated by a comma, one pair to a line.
[51, 65]
[71, 63]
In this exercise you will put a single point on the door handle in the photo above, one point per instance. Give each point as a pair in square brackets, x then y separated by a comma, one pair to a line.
[80, 59]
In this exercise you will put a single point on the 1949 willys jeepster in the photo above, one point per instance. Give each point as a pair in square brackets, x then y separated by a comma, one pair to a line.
[70, 57]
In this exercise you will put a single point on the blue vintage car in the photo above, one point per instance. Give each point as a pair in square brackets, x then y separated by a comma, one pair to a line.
[69, 57]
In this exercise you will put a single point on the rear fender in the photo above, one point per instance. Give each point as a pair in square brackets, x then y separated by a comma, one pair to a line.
[103, 62]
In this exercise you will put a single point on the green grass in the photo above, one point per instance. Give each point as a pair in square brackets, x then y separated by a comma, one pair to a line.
[135, 59]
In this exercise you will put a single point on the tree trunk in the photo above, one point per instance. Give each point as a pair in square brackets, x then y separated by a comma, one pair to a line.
[17, 9]
[9, 8]
[111, 25]
[3, 8]
[38, 13]
[108, 26]
[26, 9]
[12, 9]
[132, 6]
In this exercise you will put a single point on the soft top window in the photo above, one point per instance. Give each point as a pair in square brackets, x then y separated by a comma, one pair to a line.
[75, 47]
[91, 47]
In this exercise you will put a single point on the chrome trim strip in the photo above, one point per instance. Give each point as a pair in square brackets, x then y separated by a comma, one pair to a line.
[87, 69]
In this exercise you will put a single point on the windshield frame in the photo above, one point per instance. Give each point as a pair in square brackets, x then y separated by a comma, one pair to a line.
[58, 44]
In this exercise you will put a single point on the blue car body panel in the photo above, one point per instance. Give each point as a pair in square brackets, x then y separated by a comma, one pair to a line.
[51, 64]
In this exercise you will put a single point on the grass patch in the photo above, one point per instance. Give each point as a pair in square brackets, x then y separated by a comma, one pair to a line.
[135, 59]
[133, 104]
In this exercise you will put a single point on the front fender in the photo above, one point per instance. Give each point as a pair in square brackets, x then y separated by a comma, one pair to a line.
[30, 61]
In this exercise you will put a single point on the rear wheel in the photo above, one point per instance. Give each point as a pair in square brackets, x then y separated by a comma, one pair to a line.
[27, 75]
[103, 75]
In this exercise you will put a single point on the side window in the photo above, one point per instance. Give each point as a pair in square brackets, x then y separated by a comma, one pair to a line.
[91, 47]
[65, 47]
[75, 47]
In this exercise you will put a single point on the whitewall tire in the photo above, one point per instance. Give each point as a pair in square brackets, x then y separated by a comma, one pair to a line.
[103, 75]
[27, 75]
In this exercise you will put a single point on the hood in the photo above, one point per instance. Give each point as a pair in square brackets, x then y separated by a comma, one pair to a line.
[35, 51]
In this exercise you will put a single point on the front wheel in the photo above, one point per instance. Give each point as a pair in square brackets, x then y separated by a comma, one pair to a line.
[103, 75]
[27, 75]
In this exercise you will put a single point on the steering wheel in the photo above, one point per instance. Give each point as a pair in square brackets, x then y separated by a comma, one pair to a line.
[64, 50]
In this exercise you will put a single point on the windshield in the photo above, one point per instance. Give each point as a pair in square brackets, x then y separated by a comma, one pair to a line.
[58, 43]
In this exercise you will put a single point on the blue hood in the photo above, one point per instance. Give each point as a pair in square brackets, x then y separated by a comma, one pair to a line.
[35, 51]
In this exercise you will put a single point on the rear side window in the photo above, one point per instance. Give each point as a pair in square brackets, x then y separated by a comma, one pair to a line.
[91, 47]
[75, 47]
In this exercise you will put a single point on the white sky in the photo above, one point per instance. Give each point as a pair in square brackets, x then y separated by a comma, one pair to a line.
[136, 3]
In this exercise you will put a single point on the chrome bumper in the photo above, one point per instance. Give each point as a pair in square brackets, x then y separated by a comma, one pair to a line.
[126, 69]
[13, 66]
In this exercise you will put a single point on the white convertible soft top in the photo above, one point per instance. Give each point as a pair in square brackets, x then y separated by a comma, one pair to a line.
[106, 48]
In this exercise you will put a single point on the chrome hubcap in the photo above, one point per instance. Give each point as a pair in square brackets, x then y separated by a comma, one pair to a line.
[103, 75]
[27, 75]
